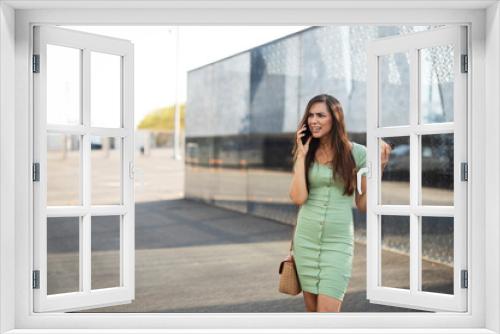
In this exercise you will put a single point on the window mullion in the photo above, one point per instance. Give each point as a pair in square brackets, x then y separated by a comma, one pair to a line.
[85, 236]
[414, 170]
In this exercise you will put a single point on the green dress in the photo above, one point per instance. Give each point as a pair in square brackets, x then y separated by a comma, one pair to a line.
[323, 243]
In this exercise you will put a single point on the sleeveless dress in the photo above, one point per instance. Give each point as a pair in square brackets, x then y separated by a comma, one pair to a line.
[323, 242]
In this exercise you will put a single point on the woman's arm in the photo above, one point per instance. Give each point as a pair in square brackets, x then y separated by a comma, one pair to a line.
[298, 188]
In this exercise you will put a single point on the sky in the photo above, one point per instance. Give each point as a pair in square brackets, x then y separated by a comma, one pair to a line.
[156, 61]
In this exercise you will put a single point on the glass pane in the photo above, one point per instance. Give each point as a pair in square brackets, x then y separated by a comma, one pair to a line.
[63, 85]
[63, 262]
[395, 239]
[105, 90]
[437, 169]
[63, 169]
[105, 252]
[436, 84]
[437, 254]
[395, 184]
[106, 170]
[394, 89]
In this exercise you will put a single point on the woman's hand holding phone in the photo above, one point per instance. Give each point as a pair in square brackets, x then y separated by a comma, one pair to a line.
[303, 140]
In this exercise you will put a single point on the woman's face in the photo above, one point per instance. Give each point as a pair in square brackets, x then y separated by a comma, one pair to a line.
[319, 120]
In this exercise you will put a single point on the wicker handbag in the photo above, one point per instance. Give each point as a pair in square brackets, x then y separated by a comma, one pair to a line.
[289, 280]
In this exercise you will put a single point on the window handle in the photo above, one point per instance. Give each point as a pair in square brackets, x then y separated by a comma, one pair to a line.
[131, 169]
[365, 170]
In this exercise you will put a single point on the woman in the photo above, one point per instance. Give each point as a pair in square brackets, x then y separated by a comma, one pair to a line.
[323, 243]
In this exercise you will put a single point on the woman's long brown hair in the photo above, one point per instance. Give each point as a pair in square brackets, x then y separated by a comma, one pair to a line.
[343, 162]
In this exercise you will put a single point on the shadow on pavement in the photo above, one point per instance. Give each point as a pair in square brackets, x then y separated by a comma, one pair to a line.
[184, 223]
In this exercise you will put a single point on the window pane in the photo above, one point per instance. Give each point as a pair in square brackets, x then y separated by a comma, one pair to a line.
[437, 169]
[437, 254]
[105, 90]
[105, 252]
[63, 85]
[395, 183]
[394, 89]
[106, 170]
[436, 84]
[63, 169]
[395, 257]
[63, 247]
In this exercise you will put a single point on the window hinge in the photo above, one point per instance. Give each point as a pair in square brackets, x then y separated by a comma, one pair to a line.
[36, 63]
[464, 171]
[36, 279]
[465, 64]
[36, 172]
[465, 279]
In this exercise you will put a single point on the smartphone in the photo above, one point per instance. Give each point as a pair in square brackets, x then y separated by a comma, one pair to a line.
[307, 134]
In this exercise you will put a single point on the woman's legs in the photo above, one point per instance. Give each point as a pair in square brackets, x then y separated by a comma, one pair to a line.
[310, 300]
[328, 304]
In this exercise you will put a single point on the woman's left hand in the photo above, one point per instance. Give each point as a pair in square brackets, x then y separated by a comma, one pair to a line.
[385, 151]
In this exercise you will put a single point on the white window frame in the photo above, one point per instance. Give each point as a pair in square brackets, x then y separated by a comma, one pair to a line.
[16, 19]
[412, 44]
[85, 211]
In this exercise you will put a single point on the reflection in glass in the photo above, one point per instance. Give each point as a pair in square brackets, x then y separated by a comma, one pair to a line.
[395, 184]
[200, 120]
[105, 251]
[229, 175]
[436, 84]
[394, 89]
[106, 169]
[437, 169]
[437, 254]
[105, 90]
[63, 169]
[395, 260]
[267, 179]
[231, 95]
[63, 85]
[63, 261]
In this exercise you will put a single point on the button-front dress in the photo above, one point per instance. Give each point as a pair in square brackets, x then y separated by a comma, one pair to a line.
[323, 244]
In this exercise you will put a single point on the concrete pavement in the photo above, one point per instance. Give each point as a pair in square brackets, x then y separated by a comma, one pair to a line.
[192, 257]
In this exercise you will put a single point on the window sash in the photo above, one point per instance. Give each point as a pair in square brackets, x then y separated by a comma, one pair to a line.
[85, 297]
[414, 295]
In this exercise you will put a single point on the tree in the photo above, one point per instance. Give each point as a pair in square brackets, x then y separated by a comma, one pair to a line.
[162, 119]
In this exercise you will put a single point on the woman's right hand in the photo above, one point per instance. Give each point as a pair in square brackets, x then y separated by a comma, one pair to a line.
[302, 148]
